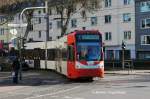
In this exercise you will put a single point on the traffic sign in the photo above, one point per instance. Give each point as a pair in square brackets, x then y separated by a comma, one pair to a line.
[13, 31]
[18, 25]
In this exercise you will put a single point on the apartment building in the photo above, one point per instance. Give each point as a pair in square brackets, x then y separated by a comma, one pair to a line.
[3, 33]
[142, 26]
[9, 34]
[115, 20]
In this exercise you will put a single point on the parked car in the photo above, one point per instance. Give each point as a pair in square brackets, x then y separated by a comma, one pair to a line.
[25, 66]
[6, 63]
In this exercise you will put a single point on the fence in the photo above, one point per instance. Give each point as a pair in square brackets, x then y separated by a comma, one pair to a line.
[129, 64]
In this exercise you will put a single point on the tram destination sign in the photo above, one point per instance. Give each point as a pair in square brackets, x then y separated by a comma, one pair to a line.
[88, 37]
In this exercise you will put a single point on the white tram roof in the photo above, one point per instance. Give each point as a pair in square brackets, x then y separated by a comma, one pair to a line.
[59, 43]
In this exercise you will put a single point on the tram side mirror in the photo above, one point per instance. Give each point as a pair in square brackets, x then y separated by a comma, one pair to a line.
[78, 55]
[103, 48]
[103, 53]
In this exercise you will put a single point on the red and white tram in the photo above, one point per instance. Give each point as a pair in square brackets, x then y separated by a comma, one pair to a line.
[76, 55]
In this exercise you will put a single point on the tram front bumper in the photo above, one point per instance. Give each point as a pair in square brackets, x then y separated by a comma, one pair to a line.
[80, 73]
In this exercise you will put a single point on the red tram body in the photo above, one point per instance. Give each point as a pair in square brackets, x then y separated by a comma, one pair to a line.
[76, 55]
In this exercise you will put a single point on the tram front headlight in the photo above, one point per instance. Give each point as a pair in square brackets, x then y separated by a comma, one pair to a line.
[101, 65]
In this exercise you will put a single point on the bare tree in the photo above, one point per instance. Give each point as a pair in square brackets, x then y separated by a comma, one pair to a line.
[9, 2]
[66, 8]
[29, 16]
[11, 7]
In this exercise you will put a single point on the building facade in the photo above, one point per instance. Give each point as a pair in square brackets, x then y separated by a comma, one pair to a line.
[142, 8]
[4, 37]
[115, 20]
[9, 34]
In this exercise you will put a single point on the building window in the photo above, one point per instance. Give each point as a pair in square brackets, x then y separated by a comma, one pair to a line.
[2, 31]
[127, 2]
[50, 38]
[127, 35]
[39, 20]
[2, 41]
[50, 11]
[44, 10]
[31, 27]
[93, 21]
[108, 36]
[107, 3]
[145, 39]
[94, 4]
[145, 6]
[39, 34]
[145, 23]
[107, 18]
[50, 25]
[109, 55]
[144, 55]
[39, 11]
[58, 24]
[83, 28]
[2, 19]
[126, 17]
[74, 23]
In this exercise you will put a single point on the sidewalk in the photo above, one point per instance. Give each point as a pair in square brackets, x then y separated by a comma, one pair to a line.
[29, 79]
[126, 72]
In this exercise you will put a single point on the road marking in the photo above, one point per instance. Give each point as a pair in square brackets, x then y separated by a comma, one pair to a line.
[78, 98]
[24, 75]
[108, 92]
[68, 97]
[11, 94]
[10, 88]
[54, 96]
[55, 93]
[5, 77]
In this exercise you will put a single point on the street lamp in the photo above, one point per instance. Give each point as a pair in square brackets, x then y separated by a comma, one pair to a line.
[47, 28]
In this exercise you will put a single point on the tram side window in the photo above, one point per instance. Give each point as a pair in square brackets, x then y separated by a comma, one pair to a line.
[70, 53]
[51, 54]
[37, 52]
[64, 54]
[42, 54]
[29, 54]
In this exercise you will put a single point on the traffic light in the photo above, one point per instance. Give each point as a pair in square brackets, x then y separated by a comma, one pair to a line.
[123, 45]
[23, 43]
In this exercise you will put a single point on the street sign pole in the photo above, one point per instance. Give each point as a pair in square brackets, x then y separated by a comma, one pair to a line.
[21, 25]
[47, 33]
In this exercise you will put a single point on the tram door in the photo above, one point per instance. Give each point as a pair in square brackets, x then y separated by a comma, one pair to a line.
[37, 58]
[58, 60]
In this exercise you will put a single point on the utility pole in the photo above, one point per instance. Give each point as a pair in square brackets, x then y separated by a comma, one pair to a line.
[123, 50]
[19, 39]
[20, 54]
[47, 32]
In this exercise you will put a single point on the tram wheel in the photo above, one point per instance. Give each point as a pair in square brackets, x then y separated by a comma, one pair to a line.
[1, 69]
[90, 79]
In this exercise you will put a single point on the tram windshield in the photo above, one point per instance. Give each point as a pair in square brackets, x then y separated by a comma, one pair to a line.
[88, 51]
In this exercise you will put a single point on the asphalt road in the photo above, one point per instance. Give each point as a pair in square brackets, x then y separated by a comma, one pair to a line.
[50, 85]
